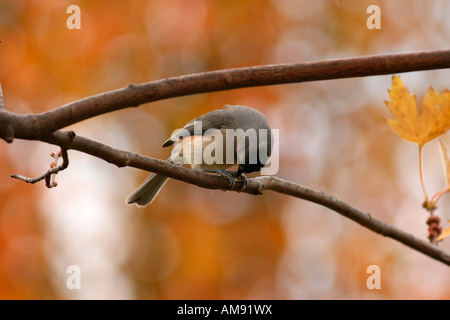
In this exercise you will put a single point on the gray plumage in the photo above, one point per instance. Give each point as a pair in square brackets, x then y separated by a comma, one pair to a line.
[231, 117]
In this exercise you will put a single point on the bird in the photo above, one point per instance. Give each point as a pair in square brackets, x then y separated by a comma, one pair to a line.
[212, 143]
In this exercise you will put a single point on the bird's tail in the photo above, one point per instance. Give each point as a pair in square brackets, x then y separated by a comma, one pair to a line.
[147, 191]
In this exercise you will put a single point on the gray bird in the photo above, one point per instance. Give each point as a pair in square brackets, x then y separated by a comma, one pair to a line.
[212, 143]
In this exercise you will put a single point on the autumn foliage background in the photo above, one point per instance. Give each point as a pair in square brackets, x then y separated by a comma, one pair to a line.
[193, 243]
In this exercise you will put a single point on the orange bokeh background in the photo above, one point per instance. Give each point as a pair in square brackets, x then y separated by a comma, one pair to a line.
[193, 243]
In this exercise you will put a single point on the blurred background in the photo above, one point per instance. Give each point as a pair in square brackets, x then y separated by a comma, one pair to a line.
[193, 243]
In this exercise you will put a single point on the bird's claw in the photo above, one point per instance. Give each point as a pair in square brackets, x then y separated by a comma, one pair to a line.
[231, 176]
[244, 181]
[224, 173]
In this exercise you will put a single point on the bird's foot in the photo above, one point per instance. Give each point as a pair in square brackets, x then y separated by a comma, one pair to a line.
[232, 177]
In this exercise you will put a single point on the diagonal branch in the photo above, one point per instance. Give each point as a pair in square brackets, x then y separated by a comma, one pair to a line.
[254, 186]
[363, 218]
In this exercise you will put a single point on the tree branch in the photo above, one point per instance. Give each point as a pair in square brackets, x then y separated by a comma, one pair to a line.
[364, 219]
[255, 186]
[46, 126]
[137, 94]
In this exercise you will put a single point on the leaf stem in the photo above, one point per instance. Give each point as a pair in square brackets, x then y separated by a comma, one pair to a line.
[421, 173]
[435, 197]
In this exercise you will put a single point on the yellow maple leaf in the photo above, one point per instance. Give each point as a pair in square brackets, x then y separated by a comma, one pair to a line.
[415, 126]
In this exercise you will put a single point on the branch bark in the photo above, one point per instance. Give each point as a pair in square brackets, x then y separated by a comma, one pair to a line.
[137, 94]
[46, 126]
[255, 186]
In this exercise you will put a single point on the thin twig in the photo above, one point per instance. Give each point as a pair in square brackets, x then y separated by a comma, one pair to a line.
[46, 176]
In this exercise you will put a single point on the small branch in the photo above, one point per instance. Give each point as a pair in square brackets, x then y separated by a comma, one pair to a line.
[255, 186]
[364, 219]
[47, 176]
